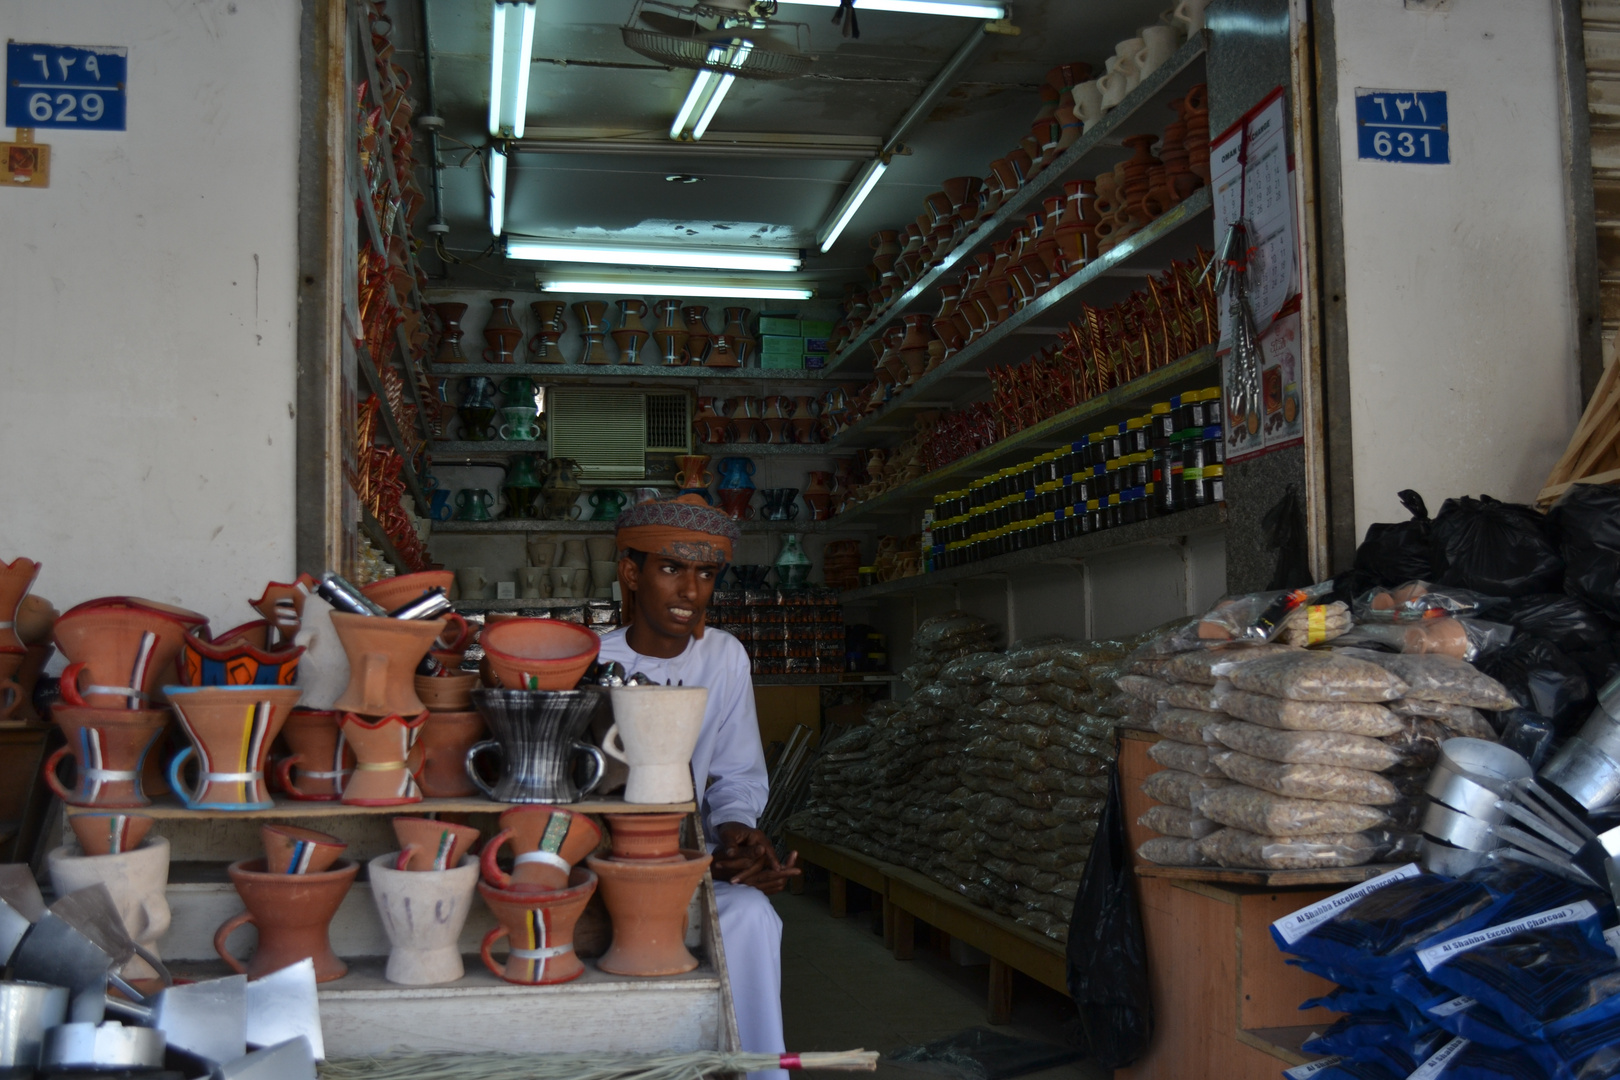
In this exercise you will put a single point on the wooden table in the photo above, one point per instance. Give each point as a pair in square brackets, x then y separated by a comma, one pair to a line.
[906, 896]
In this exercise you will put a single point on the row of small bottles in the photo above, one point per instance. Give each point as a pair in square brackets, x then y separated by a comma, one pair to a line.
[1172, 458]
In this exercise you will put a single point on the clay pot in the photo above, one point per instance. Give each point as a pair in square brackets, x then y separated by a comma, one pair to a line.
[539, 654]
[698, 338]
[282, 605]
[382, 755]
[383, 654]
[109, 834]
[502, 333]
[547, 842]
[539, 928]
[445, 740]
[320, 753]
[35, 619]
[426, 845]
[231, 729]
[629, 343]
[292, 912]
[450, 316]
[543, 345]
[125, 650]
[236, 661]
[639, 837]
[16, 578]
[392, 593]
[654, 730]
[292, 849]
[138, 880]
[647, 901]
[537, 734]
[446, 693]
[422, 950]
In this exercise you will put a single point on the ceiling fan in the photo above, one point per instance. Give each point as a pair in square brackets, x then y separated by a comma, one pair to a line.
[739, 38]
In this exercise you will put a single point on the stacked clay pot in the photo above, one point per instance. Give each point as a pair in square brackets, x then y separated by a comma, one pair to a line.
[539, 902]
[291, 893]
[432, 872]
[381, 712]
[647, 884]
[114, 850]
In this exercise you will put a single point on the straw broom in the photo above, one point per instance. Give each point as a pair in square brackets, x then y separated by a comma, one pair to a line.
[602, 1065]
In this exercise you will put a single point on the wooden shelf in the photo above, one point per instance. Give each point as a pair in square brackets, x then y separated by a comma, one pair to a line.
[1271, 879]
[526, 526]
[1009, 342]
[1159, 530]
[766, 449]
[557, 373]
[1142, 110]
[289, 808]
[487, 447]
[1112, 406]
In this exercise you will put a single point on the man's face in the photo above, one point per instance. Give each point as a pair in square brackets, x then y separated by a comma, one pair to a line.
[671, 593]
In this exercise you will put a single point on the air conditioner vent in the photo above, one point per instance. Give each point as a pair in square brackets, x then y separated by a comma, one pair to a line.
[604, 431]
[669, 425]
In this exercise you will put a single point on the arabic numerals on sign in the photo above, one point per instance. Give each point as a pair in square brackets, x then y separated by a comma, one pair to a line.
[65, 86]
[1408, 127]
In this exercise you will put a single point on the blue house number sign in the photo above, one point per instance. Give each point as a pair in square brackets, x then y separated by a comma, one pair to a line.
[1408, 127]
[65, 86]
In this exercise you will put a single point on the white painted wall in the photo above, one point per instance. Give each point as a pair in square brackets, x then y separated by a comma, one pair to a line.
[147, 299]
[1463, 361]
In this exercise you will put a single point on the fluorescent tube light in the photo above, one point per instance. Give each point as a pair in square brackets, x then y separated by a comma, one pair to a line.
[700, 82]
[698, 258]
[852, 202]
[511, 52]
[919, 7]
[713, 106]
[686, 288]
[497, 190]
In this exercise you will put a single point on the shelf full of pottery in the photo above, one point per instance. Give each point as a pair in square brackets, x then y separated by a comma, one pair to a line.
[1081, 123]
[683, 340]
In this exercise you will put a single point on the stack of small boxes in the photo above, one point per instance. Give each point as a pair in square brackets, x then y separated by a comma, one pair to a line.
[786, 631]
[791, 343]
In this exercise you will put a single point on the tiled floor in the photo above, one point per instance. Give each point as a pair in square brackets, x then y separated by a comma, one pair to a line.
[842, 990]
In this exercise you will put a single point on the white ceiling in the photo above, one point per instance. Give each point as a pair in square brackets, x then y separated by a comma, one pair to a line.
[584, 76]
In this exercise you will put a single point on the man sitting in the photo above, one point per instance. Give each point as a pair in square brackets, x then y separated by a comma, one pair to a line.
[670, 556]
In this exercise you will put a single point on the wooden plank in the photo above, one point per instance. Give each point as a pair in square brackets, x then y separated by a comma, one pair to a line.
[999, 1007]
[1039, 957]
[1192, 961]
[838, 895]
[1281, 1043]
[1270, 990]
[843, 862]
[1552, 492]
[1134, 767]
[905, 934]
[782, 708]
[288, 808]
[1334, 875]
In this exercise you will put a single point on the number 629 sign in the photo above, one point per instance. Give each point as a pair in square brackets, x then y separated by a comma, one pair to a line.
[1408, 127]
[65, 86]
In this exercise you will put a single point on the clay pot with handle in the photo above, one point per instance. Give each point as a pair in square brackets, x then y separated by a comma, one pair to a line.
[547, 843]
[231, 729]
[293, 914]
[539, 930]
[386, 759]
[108, 747]
[383, 655]
[320, 753]
[647, 901]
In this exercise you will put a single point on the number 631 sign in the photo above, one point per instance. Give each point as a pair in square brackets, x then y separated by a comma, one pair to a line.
[65, 86]
[1408, 127]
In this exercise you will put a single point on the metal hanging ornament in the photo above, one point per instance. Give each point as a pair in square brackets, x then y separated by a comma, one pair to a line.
[1232, 278]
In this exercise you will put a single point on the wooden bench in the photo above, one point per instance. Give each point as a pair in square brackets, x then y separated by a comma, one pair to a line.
[906, 896]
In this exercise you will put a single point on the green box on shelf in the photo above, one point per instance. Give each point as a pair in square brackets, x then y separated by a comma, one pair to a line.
[781, 345]
[786, 324]
[781, 363]
[815, 328]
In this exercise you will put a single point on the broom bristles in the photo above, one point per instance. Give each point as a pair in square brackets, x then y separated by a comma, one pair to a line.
[604, 1065]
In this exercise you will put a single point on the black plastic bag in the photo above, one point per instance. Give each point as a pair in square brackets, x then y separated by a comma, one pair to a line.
[1285, 534]
[1543, 679]
[1583, 632]
[1497, 548]
[1587, 518]
[1395, 553]
[1107, 952]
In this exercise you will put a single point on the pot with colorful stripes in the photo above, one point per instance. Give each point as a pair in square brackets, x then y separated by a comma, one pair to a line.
[231, 729]
[386, 759]
[539, 931]
[108, 746]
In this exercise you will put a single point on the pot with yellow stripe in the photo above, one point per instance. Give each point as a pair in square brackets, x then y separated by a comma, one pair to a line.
[539, 930]
[231, 729]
